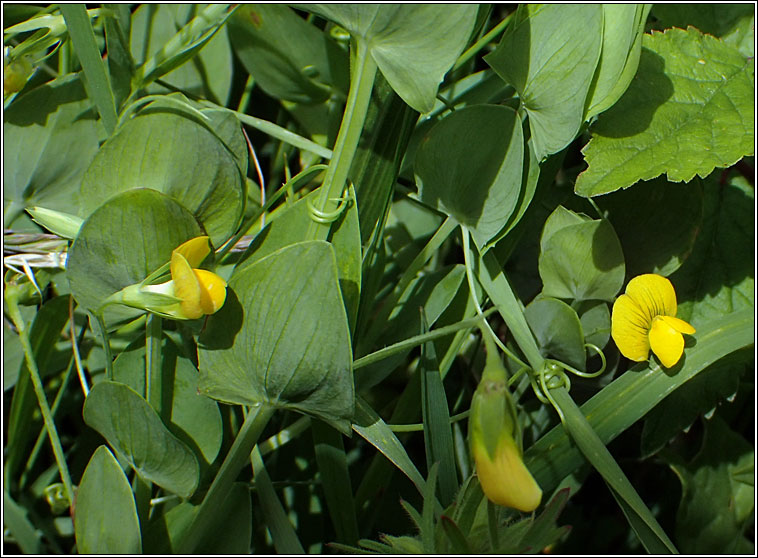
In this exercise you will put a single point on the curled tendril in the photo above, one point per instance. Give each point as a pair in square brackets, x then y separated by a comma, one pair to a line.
[326, 217]
[553, 375]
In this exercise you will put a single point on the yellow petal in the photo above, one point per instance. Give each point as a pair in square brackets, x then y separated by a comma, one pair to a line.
[505, 480]
[667, 343]
[653, 294]
[195, 250]
[629, 329]
[679, 325]
[212, 290]
[186, 286]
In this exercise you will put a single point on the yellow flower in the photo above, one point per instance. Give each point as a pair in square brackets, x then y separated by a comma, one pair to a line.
[201, 292]
[190, 294]
[644, 318]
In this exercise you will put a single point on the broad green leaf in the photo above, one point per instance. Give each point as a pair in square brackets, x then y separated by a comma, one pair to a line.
[657, 223]
[50, 135]
[291, 225]
[136, 432]
[105, 257]
[106, 525]
[580, 260]
[732, 23]
[288, 57]
[234, 520]
[414, 45]
[470, 167]
[549, 54]
[688, 110]
[557, 329]
[194, 419]
[282, 337]
[715, 509]
[623, 27]
[209, 74]
[596, 323]
[719, 276]
[169, 153]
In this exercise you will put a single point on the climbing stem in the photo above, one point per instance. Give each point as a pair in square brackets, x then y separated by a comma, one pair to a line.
[358, 99]
[238, 456]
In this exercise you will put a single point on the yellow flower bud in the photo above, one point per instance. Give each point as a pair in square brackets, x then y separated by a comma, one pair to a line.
[495, 439]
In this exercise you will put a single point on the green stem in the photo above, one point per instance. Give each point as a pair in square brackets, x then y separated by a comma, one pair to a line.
[153, 376]
[410, 273]
[483, 42]
[358, 99]
[238, 456]
[106, 345]
[39, 391]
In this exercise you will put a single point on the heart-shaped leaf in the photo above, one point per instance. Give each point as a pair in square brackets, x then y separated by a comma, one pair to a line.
[282, 338]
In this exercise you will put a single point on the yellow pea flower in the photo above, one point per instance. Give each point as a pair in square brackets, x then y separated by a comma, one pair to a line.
[190, 294]
[644, 318]
[496, 440]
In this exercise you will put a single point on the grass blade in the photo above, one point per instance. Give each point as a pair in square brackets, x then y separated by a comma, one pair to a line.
[282, 533]
[97, 83]
[335, 480]
[438, 434]
[640, 518]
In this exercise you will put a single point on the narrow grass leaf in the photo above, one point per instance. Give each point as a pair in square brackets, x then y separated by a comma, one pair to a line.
[427, 513]
[369, 425]
[438, 434]
[98, 85]
[335, 480]
[640, 518]
[282, 533]
[15, 521]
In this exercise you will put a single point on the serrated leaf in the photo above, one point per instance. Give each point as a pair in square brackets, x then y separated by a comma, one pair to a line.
[714, 508]
[718, 278]
[688, 110]
[106, 525]
[549, 54]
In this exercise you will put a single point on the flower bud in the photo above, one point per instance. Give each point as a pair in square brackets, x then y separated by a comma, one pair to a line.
[496, 441]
